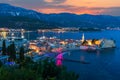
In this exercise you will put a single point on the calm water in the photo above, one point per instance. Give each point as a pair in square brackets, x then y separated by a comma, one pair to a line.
[104, 64]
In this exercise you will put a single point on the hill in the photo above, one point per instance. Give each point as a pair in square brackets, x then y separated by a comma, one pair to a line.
[17, 17]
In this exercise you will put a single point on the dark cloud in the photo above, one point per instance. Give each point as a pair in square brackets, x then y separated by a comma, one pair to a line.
[112, 11]
[33, 3]
[25, 3]
[55, 1]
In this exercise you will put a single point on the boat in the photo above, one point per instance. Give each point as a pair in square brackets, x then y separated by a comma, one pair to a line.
[89, 48]
[83, 47]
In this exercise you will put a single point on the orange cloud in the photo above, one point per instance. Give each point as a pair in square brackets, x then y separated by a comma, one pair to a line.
[93, 3]
[111, 7]
[71, 9]
[79, 9]
[47, 11]
[48, 1]
[78, 6]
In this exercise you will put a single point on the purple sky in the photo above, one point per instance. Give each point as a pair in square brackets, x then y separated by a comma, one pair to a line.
[107, 7]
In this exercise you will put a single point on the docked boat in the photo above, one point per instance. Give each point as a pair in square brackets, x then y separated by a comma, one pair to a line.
[89, 48]
[84, 47]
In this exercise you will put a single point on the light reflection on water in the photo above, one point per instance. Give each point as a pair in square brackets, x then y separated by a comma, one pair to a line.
[104, 64]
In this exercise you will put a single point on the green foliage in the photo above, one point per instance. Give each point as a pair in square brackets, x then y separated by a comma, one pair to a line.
[11, 51]
[1, 63]
[21, 53]
[43, 70]
[16, 74]
[27, 23]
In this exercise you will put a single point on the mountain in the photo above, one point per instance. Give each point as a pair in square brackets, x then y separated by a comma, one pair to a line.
[16, 17]
[11, 16]
[85, 20]
[9, 10]
[18, 22]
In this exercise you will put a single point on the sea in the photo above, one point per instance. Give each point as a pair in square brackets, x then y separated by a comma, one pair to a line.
[102, 64]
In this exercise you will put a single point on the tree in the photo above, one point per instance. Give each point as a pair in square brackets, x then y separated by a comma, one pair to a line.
[1, 63]
[11, 51]
[4, 48]
[21, 53]
[8, 50]
[43, 70]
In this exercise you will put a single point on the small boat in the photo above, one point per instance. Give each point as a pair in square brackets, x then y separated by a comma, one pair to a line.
[89, 48]
[84, 47]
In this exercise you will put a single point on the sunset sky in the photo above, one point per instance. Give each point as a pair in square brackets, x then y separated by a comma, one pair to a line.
[107, 7]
